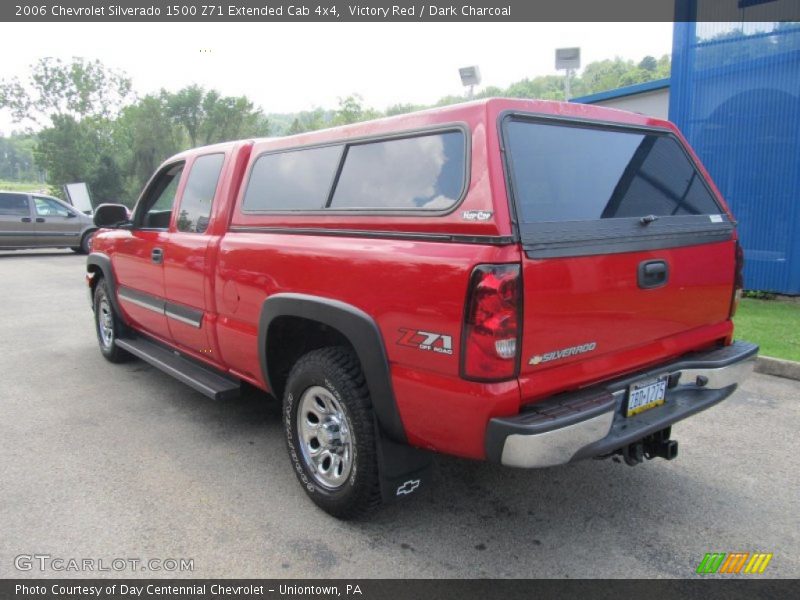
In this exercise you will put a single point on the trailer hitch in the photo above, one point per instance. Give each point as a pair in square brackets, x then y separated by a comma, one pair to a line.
[656, 445]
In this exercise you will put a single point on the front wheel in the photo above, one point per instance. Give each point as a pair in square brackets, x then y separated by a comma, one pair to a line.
[330, 432]
[108, 325]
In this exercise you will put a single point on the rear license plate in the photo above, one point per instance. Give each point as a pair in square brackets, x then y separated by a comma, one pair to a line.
[645, 395]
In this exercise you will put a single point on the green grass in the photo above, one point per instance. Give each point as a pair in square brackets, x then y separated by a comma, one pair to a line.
[772, 324]
[21, 186]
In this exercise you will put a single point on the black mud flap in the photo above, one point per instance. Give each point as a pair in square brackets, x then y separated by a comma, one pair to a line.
[403, 470]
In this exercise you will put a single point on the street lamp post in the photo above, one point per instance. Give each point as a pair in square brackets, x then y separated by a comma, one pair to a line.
[470, 77]
[568, 59]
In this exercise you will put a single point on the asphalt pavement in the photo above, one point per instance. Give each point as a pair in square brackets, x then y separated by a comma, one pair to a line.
[105, 462]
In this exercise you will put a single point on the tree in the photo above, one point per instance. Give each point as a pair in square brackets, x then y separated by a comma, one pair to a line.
[295, 128]
[229, 118]
[144, 135]
[401, 109]
[160, 125]
[16, 158]
[74, 104]
[352, 110]
[208, 117]
[68, 150]
[450, 99]
[664, 68]
[605, 74]
[648, 63]
[546, 87]
[312, 120]
[185, 107]
[79, 89]
[106, 180]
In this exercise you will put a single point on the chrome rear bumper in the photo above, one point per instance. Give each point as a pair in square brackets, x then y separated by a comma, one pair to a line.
[591, 422]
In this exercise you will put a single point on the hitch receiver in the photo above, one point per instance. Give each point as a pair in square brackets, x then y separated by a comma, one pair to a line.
[656, 445]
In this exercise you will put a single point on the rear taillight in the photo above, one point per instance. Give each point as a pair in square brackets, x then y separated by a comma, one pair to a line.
[738, 279]
[491, 336]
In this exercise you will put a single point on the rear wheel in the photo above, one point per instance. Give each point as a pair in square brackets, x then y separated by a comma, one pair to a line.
[330, 432]
[108, 325]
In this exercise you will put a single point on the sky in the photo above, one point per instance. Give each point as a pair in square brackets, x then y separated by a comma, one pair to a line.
[288, 67]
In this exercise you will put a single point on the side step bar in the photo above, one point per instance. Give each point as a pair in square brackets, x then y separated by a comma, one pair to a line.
[202, 379]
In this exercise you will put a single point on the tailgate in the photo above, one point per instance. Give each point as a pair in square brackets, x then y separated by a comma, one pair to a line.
[628, 257]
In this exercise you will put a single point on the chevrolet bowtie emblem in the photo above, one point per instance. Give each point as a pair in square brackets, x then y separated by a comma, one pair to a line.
[408, 487]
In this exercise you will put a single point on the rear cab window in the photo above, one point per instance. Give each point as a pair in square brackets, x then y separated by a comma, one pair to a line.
[581, 188]
[417, 173]
[292, 180]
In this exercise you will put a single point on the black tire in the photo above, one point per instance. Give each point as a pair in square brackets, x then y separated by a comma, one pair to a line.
[106, 319]
[86, 243]
[335, 374]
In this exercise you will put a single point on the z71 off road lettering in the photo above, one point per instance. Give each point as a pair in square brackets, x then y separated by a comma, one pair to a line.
[426, 340]
[297, 265]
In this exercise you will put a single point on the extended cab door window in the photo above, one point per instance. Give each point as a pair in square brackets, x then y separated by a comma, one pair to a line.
[156, 210]
[199, 192]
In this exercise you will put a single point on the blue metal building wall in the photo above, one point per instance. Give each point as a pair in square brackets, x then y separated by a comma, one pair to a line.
[735, 93]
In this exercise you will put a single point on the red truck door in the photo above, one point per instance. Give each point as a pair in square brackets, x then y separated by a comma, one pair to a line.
[139, 255]
[186, 259]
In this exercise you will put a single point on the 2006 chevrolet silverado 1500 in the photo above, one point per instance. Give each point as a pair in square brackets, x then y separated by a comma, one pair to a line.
[527, 282]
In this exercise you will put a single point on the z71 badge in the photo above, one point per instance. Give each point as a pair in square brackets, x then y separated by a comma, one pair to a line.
[426, 340]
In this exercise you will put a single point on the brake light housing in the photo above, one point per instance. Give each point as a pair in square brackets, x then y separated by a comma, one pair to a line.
[738, 279]
[492, 331]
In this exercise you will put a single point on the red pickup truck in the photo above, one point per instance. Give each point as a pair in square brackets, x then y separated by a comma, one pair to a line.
[527, 282]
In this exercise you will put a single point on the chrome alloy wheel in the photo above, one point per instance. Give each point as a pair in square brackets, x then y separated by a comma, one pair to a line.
[105, 322]
[326, 438]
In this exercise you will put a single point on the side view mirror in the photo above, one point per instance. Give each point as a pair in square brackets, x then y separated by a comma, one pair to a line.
[111, 215]
[71, 215]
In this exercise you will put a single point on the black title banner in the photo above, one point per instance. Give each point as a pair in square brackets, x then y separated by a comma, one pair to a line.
[398, 10]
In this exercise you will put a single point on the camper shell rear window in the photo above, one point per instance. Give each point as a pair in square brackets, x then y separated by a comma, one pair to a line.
[587, 188]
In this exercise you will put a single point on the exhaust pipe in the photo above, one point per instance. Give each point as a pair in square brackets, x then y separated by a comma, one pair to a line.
[633, 454]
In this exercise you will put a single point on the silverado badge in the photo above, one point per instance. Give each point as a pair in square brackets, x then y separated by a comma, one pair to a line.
[563, 353]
